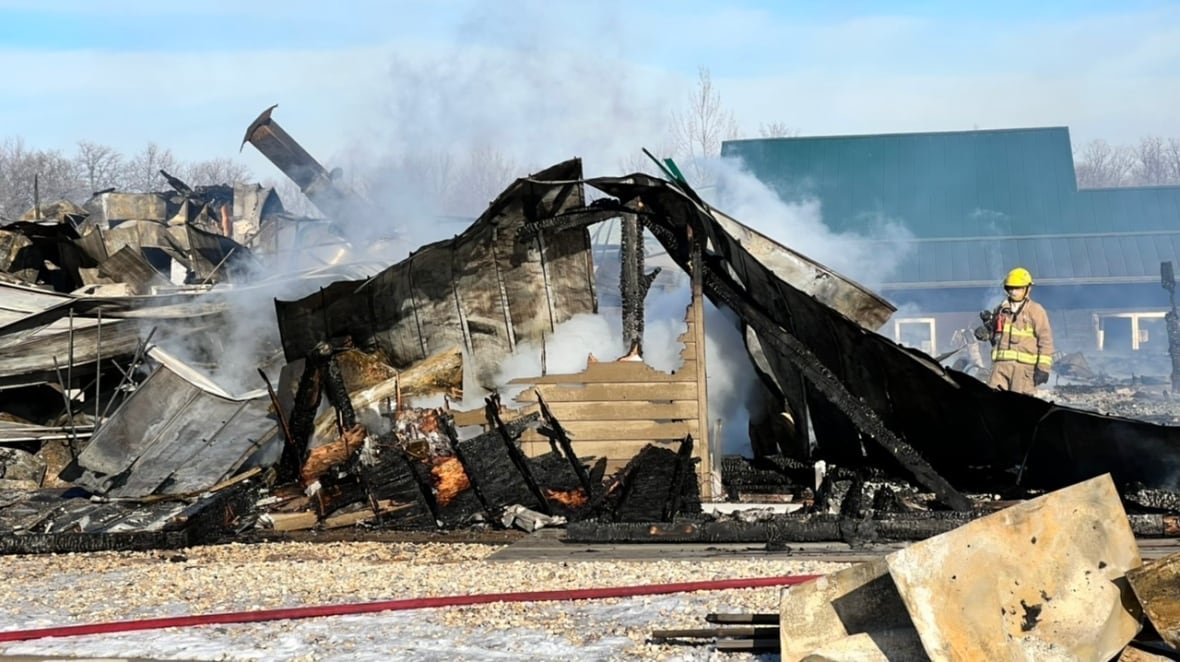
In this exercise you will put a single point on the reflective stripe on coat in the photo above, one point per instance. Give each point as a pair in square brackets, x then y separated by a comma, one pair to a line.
[1025, 337]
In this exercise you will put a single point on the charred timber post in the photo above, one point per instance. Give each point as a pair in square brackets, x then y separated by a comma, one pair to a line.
[492, 412]
[289, 461]
[307, 403]
[633, 283]
[554, 430]
[861, 415]
[337, 392]
[1172, 321]
[334, 199]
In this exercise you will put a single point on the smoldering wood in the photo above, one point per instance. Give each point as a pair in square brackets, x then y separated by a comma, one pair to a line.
[553, 473]
[460, 453]
[322, 459]
[489, 466]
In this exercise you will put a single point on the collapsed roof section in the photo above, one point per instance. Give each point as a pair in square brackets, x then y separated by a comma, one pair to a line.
[483, 290]
[939, 424]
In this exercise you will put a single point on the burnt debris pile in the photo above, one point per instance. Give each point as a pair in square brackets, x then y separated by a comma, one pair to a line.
[197, 363]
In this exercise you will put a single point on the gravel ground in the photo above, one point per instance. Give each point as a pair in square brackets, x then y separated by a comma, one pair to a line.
[43, 591]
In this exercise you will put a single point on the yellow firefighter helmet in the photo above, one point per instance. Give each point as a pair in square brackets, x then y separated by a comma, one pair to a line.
[1018, 277]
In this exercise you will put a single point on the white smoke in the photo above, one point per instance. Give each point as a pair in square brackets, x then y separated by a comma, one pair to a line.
[868, 258]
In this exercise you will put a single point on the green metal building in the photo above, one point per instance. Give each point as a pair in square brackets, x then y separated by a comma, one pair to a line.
[978, 203]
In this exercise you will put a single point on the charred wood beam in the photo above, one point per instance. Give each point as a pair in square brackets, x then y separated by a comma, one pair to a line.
[809, 528]
[683, 469]
[288, 469]
[492, 412]
[578, 218]
[720, 287]
[557, 434]
[337, 393]
[307, 403]
[633, 283]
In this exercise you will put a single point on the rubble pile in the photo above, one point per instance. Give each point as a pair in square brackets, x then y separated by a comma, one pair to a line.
[143, 393]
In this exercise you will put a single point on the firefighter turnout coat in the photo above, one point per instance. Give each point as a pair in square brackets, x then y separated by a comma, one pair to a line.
[1021, 333]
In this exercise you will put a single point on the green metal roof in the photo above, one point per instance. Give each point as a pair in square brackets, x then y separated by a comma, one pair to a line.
[953, 184]
[1004, 197]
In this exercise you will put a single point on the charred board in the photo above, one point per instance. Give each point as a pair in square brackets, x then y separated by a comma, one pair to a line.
[647, 490]
[391, 478]
[808, 528]
[493, 472]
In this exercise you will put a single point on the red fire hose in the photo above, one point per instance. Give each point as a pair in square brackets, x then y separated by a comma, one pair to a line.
[397, 605]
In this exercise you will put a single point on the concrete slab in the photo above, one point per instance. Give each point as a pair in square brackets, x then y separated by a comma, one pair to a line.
[855, 600]
[1157, 585]
[1041, 580]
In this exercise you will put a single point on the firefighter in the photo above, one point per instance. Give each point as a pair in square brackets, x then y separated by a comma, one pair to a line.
[1021, 338]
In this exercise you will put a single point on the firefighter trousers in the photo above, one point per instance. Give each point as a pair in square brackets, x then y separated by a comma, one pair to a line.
[1013, 376]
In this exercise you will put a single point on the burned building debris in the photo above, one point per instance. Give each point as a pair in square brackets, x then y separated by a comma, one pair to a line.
[368, 420]
[483, 291]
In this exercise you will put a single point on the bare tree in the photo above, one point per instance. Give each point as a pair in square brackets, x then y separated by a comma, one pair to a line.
[1172, 159]
[56, 175]
[1151, 166]
[214, 171]
[699, 130]
[293, 199]
[99, 166]
[777, 130]
[482, 176]
[1099, 165]
[143, 170]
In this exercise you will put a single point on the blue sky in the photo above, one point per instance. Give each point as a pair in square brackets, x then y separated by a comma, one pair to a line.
[549, 80]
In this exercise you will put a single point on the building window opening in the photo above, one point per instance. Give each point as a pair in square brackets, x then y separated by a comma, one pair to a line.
[916, 332]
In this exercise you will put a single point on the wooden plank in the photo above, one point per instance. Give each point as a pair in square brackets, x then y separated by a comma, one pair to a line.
[702, 448]
[615, 371]
[477, 417]
[570, 412]
[292, 521]
[611, 392]
[621, 450]
[583, 431]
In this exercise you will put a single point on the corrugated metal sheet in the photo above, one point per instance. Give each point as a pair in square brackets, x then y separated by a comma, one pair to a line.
[172, 437]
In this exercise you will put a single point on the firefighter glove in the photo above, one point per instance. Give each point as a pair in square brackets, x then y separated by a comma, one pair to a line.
[983, 334]
[1040, 376]
[987, 316]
